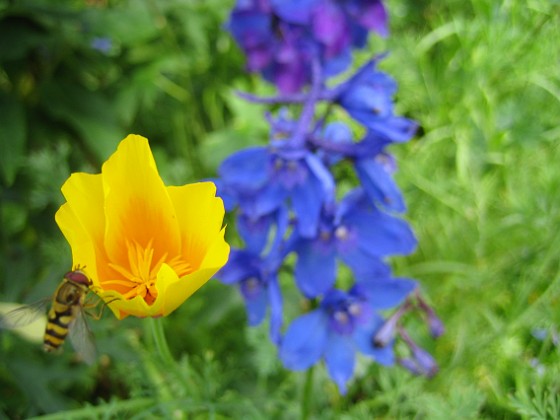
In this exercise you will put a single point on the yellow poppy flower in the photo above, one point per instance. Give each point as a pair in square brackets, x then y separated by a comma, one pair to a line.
[145, 246]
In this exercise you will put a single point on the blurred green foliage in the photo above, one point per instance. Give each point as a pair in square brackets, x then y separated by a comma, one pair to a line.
[75, 78]
[481, 183]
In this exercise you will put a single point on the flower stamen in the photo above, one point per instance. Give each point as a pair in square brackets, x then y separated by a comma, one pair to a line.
[140, 274]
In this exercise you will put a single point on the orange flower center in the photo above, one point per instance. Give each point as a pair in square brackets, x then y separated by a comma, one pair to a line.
[141, 270]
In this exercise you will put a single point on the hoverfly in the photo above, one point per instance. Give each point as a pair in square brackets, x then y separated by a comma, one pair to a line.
[65, 317]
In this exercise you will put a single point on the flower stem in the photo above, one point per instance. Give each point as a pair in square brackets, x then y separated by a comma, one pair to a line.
[306, 401]
[158, 335]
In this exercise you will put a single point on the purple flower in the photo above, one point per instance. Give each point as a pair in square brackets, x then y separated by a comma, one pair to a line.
[293, 52]
[368, 98]
[344, 322]
[420, 361]
[263, 178]
[280, 51]
[331, 29]
[282, 37]
[357, 233]
[367, 15]
[344, 18]
[251, 30]
[102, 44]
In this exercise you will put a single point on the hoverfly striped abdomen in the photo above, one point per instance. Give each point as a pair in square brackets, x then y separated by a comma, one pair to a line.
[57, 328]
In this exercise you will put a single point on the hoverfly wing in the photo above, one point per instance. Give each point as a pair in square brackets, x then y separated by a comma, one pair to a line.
[81, 337]
[24, 315]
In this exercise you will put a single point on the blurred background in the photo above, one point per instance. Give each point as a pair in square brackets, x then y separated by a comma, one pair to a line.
[481, 180]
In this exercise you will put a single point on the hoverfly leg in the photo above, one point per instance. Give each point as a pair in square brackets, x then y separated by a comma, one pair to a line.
[97, 316]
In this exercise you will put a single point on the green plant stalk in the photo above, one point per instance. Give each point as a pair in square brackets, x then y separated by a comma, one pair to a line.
[158, 336]
[306, 401]
[107, 410]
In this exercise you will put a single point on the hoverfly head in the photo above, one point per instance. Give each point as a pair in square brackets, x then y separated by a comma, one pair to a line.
[78, 276]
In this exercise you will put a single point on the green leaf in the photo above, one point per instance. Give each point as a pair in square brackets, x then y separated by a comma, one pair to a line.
[89, 113]
[128, 24]
[12, 136]
[18, 35]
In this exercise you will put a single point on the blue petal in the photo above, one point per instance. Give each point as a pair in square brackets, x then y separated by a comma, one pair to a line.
[364, 264]
[322, 175]
[366, 103]
[246, 170]
[226, 194]
[379, 185]
[315, 269]
[240, 265]
[282, 225]
[381, 82]
[338, 63]
[354, 198]
[380, 234]
[386, 294]
[340, 360]
[307, 200]
[360, 76]
[305, 340]
[249, 27]
[254, 231]
[256, 307]
[359, 36]
[366, 75]
[333, 299]
[372, 144]
[275, 299]
[266, 200]
[339, 134]
[295, 11]
[389, 236]
[398, 129]
[363, 337]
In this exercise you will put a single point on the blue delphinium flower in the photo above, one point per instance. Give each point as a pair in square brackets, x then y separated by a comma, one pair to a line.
[357, 233]
[344, 322]
[265, 177]
[287, 200]
[367, 97]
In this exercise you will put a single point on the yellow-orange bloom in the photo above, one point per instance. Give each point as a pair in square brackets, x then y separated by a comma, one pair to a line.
[146, 247]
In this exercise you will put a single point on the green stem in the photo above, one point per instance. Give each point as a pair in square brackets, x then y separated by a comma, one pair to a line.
[306, 402]
[158, 335]
[107, 410]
